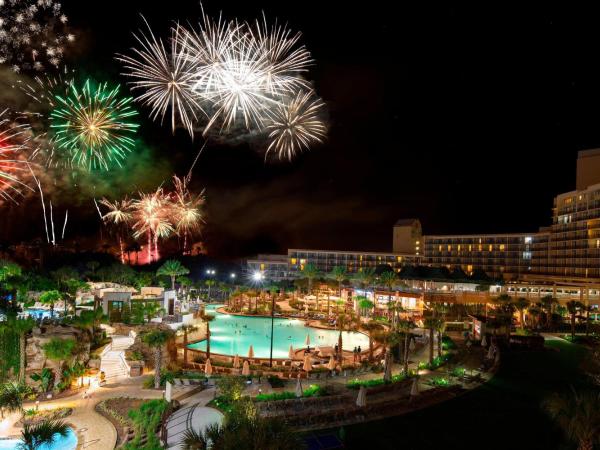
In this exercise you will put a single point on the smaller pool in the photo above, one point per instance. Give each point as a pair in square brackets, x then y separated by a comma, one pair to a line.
[69, 442]
[38, 314]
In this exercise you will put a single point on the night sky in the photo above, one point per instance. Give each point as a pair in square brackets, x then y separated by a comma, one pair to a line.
[469, 119]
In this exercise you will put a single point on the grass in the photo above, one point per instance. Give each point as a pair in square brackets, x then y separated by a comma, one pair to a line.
[313, 390]
[502, 414]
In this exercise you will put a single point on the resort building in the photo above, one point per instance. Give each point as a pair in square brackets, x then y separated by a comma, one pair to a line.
[566, 253]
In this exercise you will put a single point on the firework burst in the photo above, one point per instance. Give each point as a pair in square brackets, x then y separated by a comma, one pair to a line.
[33, 34]
[14, 144]
[296, 125]
[93, 126]
[166, 77]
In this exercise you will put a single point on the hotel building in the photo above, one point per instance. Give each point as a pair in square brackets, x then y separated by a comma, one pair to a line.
[567, 252]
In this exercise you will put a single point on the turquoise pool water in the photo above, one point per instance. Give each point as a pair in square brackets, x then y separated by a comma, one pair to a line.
[39, 314]
[69, 442]
[231, 335]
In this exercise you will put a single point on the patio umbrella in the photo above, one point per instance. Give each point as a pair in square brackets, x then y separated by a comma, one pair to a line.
[484, 341]
[236, 362]
[298, 388]
[208, 370]
[490, 354]
[251, 352]
[307, 341]
[291, 353]
[307, 364]
[246, 368]
[361, 400]
[414, 390]
[331, 364]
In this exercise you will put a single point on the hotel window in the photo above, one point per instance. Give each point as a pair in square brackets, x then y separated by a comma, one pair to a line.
[302, 261]
[528, 240]
[459, 247]
[399, 259]
[597, 243]
[294, 260]
[490, 247]
[439, 248]
[301, 266]
[480, 246]
[470, 247]
[469, 269]
[262, 267]
[526, 255]
[502, 247]
[449, 248]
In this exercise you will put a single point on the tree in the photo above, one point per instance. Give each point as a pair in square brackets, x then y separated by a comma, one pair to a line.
[185, 329]
[59, 350]
[366, 277]
[39, 434]
[344, 322]
[9, 269]
[389, 279]
[44, 378]
[371, 328]
[339, 274]
[405, 327]
[521, 304]
[431, 325]
[50, 298]
[310, 272]
[548, 303]
[207, 319]
[11, 397]
[504, 311]
[157, 339]
[364, 304]
[573, 306]
[577, 413]
[22, 327]
[389, 337]
[173, 269]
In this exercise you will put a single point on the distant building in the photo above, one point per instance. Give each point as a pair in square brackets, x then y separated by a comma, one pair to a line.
[273, 267]
[407, 236]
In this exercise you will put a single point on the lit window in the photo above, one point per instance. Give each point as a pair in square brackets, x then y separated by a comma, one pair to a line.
[469, 269]
[399, 258]
[439, 248]
[449, 248]
[490, 247]
[302, 261]
[502, 247]
[470, 247]
[417, 242]
[294, 261]
[526, 255]
[480, 246]
[459, 247]
[528, 240]
[262, 267]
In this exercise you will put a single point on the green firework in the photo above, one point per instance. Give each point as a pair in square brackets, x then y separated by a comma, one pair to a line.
[93, 126]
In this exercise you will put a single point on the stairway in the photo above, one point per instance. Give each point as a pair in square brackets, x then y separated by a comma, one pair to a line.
[112, 362]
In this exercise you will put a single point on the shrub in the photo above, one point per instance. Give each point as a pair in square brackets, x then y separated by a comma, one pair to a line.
[146, 420]
[314, 390]
[458, 372]
[274, 381]
[231, 388]
[439, 382]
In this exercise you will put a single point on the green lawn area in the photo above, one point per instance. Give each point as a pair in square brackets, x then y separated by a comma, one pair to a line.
[503, 414]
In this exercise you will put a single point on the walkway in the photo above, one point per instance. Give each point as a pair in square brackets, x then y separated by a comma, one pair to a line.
[113, 363]
[192, 415]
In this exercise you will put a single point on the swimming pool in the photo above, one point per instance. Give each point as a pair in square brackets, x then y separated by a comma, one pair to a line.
[231, 335]
[69, 442]
[38, 314]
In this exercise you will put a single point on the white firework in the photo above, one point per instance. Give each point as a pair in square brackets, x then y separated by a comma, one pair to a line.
[166, 77]
[26, 27]
[296, 125]
[14, 145]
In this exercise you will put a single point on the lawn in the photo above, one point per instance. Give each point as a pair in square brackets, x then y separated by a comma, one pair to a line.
[503, 414]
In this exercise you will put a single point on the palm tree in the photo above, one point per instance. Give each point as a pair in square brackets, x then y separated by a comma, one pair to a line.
[431, 324]
[59, 350]
[157, 339]
[548, 302]
[344, 322]
[43, 433]
[572, 307]
[389, 279]
[365, 277]
[371, 328]
[173, 269]
[504, 311]
[389, 337]
[339, 274]
[578, 415]
[310, 272]
[11, 397]
[22, 327]
[207, 319]
[209, 284]
[405, 327]
[50, 298]
[521, 304]
[186, 329]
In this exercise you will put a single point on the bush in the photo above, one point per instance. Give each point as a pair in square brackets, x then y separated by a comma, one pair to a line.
[274, 381]
[356, 383]
[146, 420]
[231, 388]
[314, 390]
[439, 382]
[458, 372]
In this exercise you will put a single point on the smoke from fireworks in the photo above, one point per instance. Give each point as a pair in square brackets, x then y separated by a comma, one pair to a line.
[33, 34]
[14, 145]
[232, 74]
[93, 126]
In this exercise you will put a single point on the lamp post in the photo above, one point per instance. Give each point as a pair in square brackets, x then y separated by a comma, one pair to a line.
[210, 272]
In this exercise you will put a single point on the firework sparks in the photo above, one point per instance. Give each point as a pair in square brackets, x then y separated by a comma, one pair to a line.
[14, 143]
[296, 125]
[166, 77]
[33, 34]
[188, 215]
[151, 215]
[238, 75]
[93, 126]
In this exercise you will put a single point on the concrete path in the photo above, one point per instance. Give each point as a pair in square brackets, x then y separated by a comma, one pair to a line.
[192, 415]
[93, 430]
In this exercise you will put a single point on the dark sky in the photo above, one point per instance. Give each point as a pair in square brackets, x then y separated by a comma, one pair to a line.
[469, 119]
